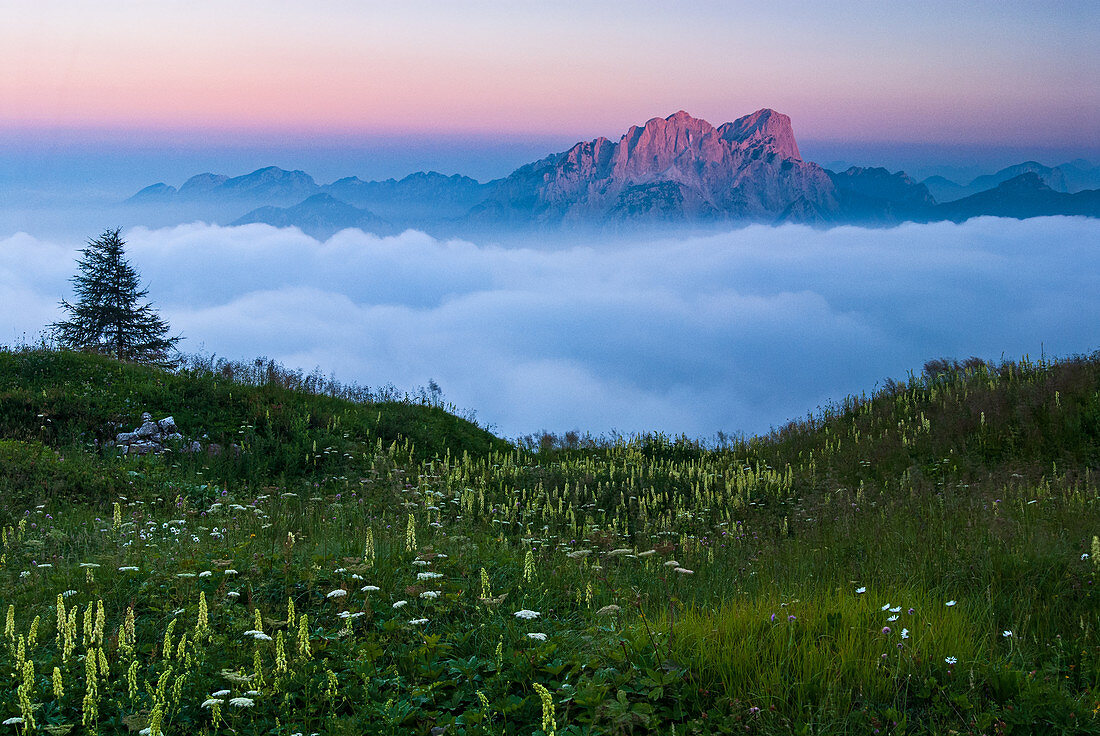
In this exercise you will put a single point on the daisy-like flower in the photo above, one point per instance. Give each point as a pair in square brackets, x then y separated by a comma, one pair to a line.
[951, 660]
[905, 633]
[537, 636]
[242, 702]
[398, 604]
[369, 588]
[950, 603]
[895, 609]
[893, 618]
[860, 591]
[526, 614]
[886, 607]
[338, 593]
[1006, 633]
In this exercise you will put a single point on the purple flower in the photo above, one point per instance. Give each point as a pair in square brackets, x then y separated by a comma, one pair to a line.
[886, 629]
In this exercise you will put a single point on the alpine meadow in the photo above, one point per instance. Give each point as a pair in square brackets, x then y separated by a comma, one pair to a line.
[917, 561]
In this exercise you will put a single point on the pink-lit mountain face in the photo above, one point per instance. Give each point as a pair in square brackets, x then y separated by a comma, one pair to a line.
[679, 168]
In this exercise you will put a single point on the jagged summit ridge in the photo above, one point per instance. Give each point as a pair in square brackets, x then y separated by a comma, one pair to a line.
[750, 167]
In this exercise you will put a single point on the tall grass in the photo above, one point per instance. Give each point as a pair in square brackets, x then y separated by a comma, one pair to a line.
[741, 587]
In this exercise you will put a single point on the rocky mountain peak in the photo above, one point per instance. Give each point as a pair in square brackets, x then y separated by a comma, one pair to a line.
[764, 127]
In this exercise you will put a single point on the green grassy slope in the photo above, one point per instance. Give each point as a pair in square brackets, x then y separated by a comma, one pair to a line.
[921, 561]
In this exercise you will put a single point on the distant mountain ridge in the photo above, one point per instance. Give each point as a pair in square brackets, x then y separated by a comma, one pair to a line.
[319, 216]
[1069, 178]
[677, 169]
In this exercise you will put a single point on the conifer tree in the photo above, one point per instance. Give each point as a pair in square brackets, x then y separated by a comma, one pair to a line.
[108, 316]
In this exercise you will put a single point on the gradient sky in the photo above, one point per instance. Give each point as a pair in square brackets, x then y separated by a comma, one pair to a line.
[998, 73]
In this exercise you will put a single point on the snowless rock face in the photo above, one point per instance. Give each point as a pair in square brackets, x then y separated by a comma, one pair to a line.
[750, 168]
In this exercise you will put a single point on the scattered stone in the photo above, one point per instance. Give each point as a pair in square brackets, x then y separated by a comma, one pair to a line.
[159, 436]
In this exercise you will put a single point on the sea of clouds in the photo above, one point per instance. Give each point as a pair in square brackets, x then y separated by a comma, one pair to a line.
[734, 332]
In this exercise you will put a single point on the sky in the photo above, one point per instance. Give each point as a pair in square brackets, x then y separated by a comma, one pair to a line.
[735, 332]
[257, 80]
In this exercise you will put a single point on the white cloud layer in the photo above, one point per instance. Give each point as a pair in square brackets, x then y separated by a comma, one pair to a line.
[738, 331]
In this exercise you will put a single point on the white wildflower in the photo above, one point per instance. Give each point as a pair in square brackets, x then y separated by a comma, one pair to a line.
[338, 593]
[526, 614]
[537, 636]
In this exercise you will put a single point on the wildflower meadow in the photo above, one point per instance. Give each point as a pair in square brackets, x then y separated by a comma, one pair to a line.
[917, 561]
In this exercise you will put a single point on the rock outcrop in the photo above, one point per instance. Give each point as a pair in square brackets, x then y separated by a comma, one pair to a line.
[160, 436]
[150, 437]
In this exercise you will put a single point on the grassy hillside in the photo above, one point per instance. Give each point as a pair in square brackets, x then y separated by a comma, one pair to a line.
[80, 401]
[918, 561]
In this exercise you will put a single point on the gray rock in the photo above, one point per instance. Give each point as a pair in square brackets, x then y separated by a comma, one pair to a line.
[147, 429]
[167, 425]
[146, 417]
